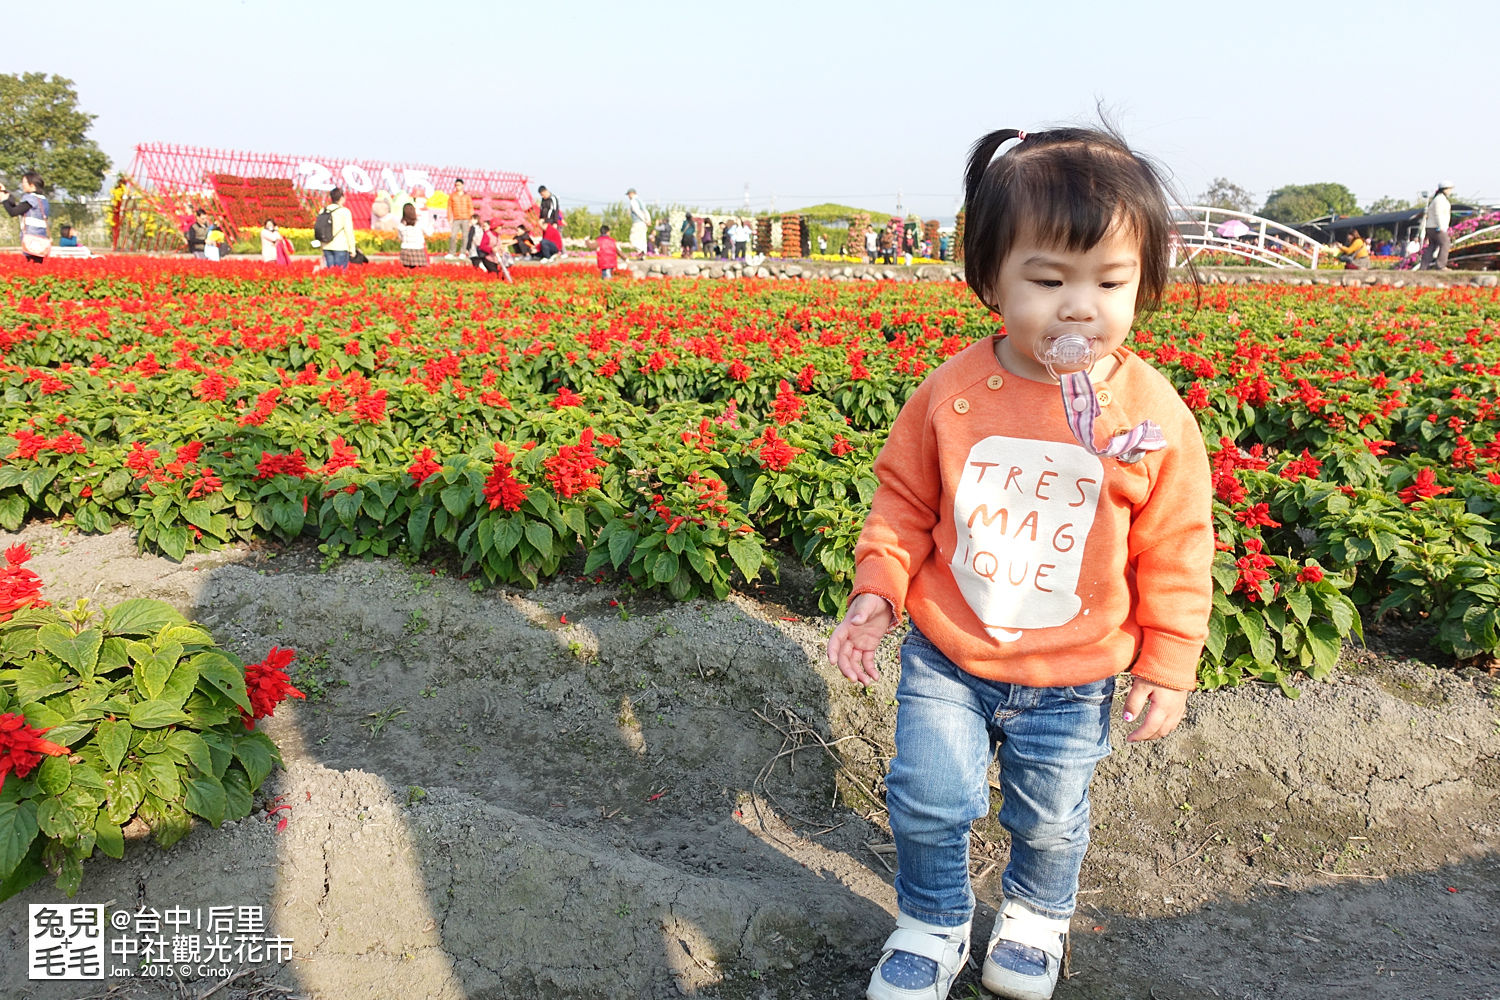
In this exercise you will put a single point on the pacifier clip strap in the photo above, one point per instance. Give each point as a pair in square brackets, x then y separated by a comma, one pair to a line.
[1081, 407]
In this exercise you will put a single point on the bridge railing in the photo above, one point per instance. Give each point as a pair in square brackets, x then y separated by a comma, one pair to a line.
[1254, 238]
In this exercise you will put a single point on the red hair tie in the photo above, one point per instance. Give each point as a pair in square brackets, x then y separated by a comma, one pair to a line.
[1020, 136]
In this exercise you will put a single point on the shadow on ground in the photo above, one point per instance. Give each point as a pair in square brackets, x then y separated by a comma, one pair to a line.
[556, 795]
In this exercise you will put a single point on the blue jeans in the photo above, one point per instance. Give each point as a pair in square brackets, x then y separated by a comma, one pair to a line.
[335, 258]
[948, 724]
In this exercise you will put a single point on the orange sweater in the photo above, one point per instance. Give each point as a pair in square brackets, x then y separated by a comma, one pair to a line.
[460, 206]
[1025, 558]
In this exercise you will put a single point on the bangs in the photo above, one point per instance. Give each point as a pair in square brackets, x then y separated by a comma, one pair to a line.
[1066, 189]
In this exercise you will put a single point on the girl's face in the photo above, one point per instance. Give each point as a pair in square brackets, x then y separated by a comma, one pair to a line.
[1044, 291]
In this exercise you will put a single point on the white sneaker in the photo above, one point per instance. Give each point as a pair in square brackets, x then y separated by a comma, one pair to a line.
[1025, 954]
[919, 961]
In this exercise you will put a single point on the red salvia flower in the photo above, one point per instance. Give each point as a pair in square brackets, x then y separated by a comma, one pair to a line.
[268, 685]
[1258, 514]
[423, 467]
[739, 371]
[370, 409]
[841, 446]
[342, 457]
[1310, 574]
[571, 470]
[291, 465]
[19, 587]
[502, 488]
[566, 397]
[1423, 487]
[776, 453]
[21, 746]
[205, 484]
[788, 406]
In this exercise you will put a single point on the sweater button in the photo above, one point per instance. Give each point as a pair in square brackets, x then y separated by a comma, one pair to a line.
[994, 381]
[960, 405]
[1104, 396]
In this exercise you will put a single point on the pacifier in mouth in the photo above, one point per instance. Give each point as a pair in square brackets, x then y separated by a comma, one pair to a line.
[1071, 350]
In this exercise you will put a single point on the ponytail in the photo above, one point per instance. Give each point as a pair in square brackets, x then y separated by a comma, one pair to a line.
[980, 156]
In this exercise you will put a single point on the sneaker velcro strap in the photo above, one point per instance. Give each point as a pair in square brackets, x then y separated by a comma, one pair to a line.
[1030, 933]
[948, 954]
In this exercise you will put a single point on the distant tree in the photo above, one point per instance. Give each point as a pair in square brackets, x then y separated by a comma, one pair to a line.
[42, 129]
[1388, 204]
[1224, 193]
[1299, 202]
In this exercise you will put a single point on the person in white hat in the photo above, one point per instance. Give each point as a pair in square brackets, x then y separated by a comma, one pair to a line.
[1439, 211]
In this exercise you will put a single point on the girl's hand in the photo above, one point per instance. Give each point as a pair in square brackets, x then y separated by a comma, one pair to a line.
[852, 646]
[1160, 709]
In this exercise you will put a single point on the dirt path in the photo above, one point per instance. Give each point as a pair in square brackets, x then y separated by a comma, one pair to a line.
[653, 800]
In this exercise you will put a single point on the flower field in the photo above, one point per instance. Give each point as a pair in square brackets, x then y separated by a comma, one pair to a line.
[687, 436]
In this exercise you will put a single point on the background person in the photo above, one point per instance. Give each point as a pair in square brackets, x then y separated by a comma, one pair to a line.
[460, 210]
[197, 234]
[413, 230]
[640, 219]
[688, 236]
[338, 250]
[608, 253]
[1356, 256]
[1439, 214]
[269, 240]
[31, 205]
[67, 237]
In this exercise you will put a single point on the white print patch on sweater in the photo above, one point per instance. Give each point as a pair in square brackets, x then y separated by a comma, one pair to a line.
[1023, 510]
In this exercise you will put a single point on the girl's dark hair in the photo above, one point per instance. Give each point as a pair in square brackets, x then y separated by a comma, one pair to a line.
[34, 179]
[1066, 188]
[408, 214]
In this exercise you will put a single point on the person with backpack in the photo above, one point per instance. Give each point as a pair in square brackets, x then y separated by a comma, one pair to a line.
[333, 229]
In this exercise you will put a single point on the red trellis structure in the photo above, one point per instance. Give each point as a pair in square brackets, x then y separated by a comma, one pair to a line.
[167, 183]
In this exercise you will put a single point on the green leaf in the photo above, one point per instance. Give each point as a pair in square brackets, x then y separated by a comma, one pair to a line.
[540, 535]
[54, 775]
[238, 796]
[114, 741]
[126, 791]
[13, 512]
[205, 797]
[746, 553]
[256, 753]
[224, 674]
[664, 566]
[36, 480]
[1262, 645]
[155, 714]
[180, 684]
[194, 748]
[1218, 635]
[699, 562]
[416, 527]
[162, 776]
[41, 678]
[621, 545]
[759, 493]
[140, 616]
[456, 499]
[509, 535]
[109, 836]
[18, 828]
[1300, 602]
[173, 542]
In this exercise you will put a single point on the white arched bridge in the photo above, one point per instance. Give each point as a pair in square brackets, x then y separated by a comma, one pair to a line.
[1202, 229]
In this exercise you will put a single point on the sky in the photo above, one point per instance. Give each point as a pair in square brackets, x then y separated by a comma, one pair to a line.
[872, 103]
